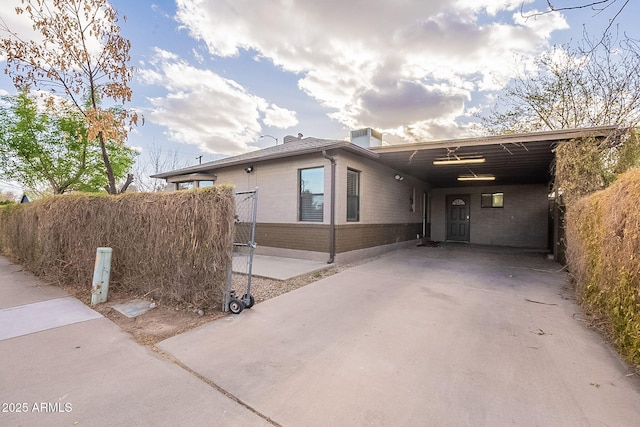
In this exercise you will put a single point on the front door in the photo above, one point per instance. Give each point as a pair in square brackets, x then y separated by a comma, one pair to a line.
[458, 218]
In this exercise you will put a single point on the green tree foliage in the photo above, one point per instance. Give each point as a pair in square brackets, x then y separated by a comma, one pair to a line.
[49, 151]
[81, 58]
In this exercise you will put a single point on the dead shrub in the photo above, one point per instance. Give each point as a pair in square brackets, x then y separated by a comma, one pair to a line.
[603, 250]
[176, 247]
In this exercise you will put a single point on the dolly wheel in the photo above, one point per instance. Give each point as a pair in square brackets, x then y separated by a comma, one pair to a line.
[248, 301]
[236, 306]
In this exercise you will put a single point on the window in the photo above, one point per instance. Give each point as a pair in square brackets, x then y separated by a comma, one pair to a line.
[353, 195]
[492, 200]
[185, 185]
[311, 190]
[203, 184]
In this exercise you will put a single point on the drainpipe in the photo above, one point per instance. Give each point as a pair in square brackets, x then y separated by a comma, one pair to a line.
[332, 226]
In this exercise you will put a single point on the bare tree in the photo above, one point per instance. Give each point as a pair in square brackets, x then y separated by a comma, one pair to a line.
[571, 89]
[598, 7]
[154, 161]
[82, 58]
[574, 88]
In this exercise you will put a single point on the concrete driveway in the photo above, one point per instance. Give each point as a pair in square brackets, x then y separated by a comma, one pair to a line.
[455, 335]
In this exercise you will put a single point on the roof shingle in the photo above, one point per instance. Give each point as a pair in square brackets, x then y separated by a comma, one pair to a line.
[289, 149]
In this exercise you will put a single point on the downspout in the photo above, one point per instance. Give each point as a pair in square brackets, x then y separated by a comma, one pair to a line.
[332, 224]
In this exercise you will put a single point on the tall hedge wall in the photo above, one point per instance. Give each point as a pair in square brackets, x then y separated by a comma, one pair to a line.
[603, 254]
[174, 246]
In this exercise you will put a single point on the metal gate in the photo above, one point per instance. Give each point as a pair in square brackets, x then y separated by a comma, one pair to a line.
[237, 294]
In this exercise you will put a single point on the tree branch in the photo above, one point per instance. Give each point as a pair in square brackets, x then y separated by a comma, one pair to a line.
[593, 5]
[126, 183]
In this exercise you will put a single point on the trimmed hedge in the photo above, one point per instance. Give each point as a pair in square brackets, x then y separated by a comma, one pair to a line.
[603, 253]
[176, 247]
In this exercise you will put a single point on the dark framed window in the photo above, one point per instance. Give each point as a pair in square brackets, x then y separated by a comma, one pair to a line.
[353, 195]
[311, 193]
[185, 185]
[492, 200]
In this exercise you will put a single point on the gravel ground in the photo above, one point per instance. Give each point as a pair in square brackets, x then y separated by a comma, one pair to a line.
[165, 321]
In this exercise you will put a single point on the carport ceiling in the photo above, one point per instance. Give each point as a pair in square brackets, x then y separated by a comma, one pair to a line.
[512, 159]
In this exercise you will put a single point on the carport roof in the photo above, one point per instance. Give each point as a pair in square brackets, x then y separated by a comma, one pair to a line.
[512, 159]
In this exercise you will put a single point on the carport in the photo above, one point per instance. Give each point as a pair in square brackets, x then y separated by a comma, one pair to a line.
[491, 190]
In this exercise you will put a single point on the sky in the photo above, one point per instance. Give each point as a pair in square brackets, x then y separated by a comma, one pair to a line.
[222, 77]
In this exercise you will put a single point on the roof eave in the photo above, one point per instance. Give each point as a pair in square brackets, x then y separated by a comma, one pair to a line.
[218, 164]
[554, 135]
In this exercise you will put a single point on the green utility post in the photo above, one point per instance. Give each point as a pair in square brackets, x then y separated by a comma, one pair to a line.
[101, 272]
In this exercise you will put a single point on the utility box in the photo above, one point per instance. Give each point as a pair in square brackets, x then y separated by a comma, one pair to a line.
[101, 273]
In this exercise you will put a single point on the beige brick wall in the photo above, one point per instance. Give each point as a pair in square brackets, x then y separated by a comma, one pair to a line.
[383, 200]
[523, 222]
[278, 186]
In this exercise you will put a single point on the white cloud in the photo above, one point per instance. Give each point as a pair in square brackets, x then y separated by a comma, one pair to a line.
[159, 10]
[542, 25]
[282, 118]
[409, 65]
[204, 109]
[197, 56]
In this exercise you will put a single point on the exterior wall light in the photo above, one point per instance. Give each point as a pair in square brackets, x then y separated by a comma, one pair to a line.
[249, 169]
[398, 177]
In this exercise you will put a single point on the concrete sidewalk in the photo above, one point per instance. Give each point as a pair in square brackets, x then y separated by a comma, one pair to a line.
[448, 336]
[278, 268]
[64, 364]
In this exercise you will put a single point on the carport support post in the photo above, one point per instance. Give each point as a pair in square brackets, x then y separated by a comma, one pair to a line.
[101, 272]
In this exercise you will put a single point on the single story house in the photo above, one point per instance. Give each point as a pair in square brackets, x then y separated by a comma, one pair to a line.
[343, 200]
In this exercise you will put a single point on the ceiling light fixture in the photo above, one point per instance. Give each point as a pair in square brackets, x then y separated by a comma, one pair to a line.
[476, 178]
[460, 161]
